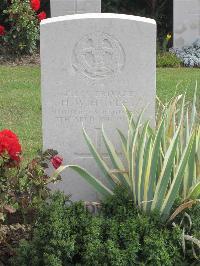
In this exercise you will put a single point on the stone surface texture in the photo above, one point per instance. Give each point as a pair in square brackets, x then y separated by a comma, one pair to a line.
[186, 22]
[70, 7]
[92, 64]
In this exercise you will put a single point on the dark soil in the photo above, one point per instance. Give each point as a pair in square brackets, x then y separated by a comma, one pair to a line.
[26, 60]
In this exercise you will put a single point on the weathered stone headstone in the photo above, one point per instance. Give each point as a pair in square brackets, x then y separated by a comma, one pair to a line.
[70, 7]
[186, 22]
[92, 64]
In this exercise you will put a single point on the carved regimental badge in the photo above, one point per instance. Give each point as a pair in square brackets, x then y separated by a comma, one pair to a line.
[98, 55]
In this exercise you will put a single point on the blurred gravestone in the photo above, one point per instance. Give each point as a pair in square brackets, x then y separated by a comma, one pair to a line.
[186, 22]
[92, 64]
[70, 7]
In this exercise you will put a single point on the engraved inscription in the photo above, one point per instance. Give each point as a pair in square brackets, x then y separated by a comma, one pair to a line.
[98, 55]
[78, 109]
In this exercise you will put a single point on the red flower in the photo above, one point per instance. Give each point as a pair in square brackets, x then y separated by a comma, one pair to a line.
[10, 145]
[8, 133]
[56, 161]
[42, 15]
[35, 4]
[2, 30]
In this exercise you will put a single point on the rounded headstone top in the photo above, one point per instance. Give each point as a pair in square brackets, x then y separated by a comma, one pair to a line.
[98, 16]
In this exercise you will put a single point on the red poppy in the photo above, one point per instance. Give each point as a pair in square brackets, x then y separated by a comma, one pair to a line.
[56, 161]
[10, 145]
[35, 4]
[42, 15]
[2, 30]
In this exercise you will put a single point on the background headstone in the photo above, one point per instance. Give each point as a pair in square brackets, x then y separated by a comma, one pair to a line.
[186, 22]
[92, 64]
[70, 7]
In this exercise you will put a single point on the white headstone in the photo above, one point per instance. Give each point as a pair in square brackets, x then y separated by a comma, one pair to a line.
[92, 64]
[70, 7]
[186, 22]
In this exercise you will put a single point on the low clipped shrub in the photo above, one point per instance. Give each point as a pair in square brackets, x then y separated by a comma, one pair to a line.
[67, 234]
[167, 60]
[195, 217]
[58, 236]
[189, 55]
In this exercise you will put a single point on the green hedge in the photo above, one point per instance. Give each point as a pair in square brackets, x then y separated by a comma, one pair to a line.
[67, 234]
[167, 60]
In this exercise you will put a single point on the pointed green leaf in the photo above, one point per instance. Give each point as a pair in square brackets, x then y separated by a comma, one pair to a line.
[154, 164]
[174, 188]
[124, 143]
[194, 111]
[56, 173]
[194, 192]
[190, 173]
[140, 162]
[93, 181]
[131, 150]
[165, 175]
[146, 174]
[100, 162]
[129, 116]
[115, 159]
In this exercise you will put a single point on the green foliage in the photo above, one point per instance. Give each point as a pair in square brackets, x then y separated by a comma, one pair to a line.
[22, 30]
[23, 189]
[66, 234]
[167, 60]
[195, 217]
[190, 224]
[3, 6]
[179, 110]
[163, 163]
[111, 243]
[58, 235]
[162, 254]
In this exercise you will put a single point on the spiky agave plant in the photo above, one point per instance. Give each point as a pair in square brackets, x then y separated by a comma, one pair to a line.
[157, 160]
[190, 123]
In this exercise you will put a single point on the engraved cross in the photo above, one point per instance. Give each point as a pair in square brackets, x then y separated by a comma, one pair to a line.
[98, 145]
